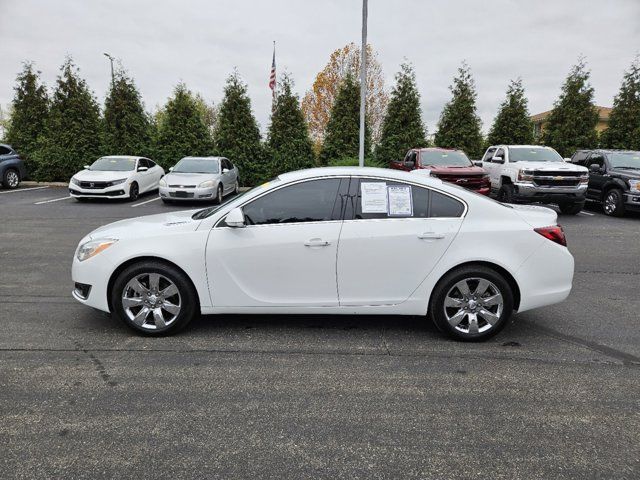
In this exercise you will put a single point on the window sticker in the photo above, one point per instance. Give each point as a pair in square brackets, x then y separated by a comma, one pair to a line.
[374, 197]
[400, 201]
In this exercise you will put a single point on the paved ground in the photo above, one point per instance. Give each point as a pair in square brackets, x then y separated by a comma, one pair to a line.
[556, 395]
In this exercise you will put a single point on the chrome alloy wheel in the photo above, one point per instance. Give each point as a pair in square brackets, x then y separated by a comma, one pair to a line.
[611, 202]
[473, 305]
[151, 301]
[12, 179]
[219, 194]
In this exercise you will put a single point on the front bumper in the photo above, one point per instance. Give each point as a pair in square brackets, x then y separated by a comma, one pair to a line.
[632, 201]
[90, 279]
[116, 191]
[534, 193]
[175, 193]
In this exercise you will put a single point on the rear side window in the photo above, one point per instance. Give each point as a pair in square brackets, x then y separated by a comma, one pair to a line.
[425, 202]
[150, 163]
[311, 201]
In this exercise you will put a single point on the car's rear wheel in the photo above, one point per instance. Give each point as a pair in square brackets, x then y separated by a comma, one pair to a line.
[505, 194]
[11, 178]
[571, 208]
[134, 191]
[219, 195]
[154, 298]
[471, 303]
[613, 204]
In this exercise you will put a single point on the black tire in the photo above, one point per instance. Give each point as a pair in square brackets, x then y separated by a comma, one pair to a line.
[613, 203]
[81, 199]
[219, 195]
[571, 208]
[505, 194]
[11, 178]
[188, 298]
[134, 192]
[166, 201]
[236, 189]
[473, 273]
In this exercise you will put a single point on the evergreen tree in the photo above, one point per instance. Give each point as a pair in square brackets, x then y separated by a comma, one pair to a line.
[572, 123]
[512, 125]
[180, 129]
[342, 138]
[289, 144]
[402, 128]
[237, 135]
[30, 108]
[459, 124]
[126, 126]
[624, 121]
[71, 136]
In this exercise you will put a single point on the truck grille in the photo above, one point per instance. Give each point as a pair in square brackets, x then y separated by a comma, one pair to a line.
[556, 178]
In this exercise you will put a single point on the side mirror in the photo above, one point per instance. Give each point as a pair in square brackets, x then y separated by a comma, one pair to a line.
[87, 167]
[477, 163]
[143, 169]
[225, 170]
[595, 168]
[235, 218]
[171, 169]
[497, 160]
[567, 159]
[410, 164]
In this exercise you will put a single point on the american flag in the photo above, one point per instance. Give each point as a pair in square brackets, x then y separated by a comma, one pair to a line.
[272, 76]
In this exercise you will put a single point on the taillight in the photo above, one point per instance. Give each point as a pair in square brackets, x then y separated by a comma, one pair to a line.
[554, 233]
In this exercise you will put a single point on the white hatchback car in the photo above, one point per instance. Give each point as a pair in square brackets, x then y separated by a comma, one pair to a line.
[116, 177]
[342, 240]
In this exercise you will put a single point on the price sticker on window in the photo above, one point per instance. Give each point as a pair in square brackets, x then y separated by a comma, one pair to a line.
[400, 200]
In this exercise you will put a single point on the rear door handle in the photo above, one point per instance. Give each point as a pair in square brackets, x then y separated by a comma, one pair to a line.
[430, 236]
[316, 242]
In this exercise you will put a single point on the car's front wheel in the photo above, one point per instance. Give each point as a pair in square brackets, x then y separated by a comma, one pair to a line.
[506, 193]
[613, 204]
[154, 298]
[219, 195]
[134, 192]
[571, 208]
[11, 178]
[471, 303]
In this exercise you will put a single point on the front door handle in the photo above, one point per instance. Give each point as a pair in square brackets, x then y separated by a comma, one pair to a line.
[316, 242]
[430, 236]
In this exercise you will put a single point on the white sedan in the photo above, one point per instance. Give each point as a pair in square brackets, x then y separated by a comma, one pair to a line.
[331, 241]
[116, 177]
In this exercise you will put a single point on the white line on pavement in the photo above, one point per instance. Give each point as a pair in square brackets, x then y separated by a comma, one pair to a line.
[142, 203]
[23, 189]
[587, 213]
[53, 200]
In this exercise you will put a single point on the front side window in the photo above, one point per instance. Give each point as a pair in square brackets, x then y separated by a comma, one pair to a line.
[489, 155]
[4, 151]
[310, 201]
[113, 164]
[533, 154]
[596, 159]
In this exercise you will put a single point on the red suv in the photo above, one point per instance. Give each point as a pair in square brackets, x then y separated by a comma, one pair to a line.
[447, 164]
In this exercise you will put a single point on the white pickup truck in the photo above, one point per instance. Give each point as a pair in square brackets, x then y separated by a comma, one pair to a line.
[532, 173]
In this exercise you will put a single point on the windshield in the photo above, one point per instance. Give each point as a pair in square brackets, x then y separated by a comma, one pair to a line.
[625, 160]
[534, 154]
[447, 158]
[207, 212]
[197, 165]
[113, 164]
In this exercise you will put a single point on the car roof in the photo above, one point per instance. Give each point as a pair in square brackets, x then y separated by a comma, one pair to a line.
[202, 158]
[360, 171]
[610, 150]
[122, 156]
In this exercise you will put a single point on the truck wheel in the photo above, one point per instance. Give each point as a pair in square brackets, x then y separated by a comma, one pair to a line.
[571, 208]
[505, 194]
[11, 178]
[612, 204]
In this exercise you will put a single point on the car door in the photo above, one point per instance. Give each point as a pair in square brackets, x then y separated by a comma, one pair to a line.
[489, 166]
[386, 251]
[227, 175]
[143, 178]
[597, 179]
[156, 173]
[286, 253]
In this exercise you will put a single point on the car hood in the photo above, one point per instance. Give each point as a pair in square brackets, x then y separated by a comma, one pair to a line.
[536, 216]
[189, 178]
[99, 176]
[629, 174]
[462, 171]
[550, 166]
[147, 226]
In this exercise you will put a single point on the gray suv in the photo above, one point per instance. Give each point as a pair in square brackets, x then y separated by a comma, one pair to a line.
[12, 169]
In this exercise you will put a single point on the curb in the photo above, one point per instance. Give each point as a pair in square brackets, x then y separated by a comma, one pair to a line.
[29, 183]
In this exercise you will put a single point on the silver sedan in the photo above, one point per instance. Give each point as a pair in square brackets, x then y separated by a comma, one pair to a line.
[200, 178]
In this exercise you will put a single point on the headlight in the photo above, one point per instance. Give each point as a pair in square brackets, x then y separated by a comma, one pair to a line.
[93, 247]
[118, 182]
[163, 182]
[584, 178]
[634, 186]
[207, 184]
[525, 176]
[75, 181]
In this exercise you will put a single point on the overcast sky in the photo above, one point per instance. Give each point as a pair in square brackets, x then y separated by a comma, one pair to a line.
[199, 42]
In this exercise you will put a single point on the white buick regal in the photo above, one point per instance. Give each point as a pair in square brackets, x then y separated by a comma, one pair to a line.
[331, 241]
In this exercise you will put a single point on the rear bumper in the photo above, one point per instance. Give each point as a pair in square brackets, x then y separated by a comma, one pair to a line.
[533, 193]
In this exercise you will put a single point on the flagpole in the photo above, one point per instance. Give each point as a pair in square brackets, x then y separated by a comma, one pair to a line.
[363, 80]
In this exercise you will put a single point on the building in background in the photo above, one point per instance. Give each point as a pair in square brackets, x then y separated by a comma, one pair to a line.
[540, 121]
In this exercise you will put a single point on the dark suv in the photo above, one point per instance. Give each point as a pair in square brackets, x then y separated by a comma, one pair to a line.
[12, 170]
[614, 178]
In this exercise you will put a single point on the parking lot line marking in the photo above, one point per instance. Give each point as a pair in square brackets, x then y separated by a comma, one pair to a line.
[147, 201]
[53, 200]
[23, 189]
[587, 213]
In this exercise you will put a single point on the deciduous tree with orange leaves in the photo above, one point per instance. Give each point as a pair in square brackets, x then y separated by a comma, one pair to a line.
[318, 101]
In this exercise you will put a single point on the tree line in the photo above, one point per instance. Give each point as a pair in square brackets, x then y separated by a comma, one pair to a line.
[60, 132]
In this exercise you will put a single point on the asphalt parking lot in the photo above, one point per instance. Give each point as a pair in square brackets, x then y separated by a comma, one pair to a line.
[556, 395]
